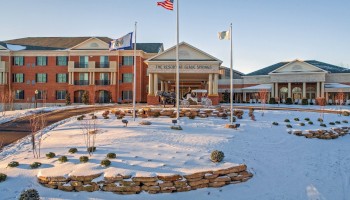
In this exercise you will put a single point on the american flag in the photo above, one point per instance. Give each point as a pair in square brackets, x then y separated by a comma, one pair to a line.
[167, 4]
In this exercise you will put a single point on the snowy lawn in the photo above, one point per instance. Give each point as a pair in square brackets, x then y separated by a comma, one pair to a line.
[284, 166]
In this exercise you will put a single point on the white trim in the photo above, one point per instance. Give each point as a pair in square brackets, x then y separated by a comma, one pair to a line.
[294, 61]
[85, 41]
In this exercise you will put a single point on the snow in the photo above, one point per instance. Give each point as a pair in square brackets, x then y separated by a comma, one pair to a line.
[14, 47]
[284, 166]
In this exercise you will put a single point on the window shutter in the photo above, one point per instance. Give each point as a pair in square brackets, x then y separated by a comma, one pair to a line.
[56, 78]
[47, 60]
[36, 78]
[23, 78]
[46, 78]
[36, 60]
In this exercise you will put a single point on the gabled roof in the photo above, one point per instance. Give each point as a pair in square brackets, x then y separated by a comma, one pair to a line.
[324, 66]
[62, 43]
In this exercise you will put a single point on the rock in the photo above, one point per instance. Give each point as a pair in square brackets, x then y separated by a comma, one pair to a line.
[200, 186]
[183, 189]
[76, 183]
[128, 188]
[67, 188]
[150, 188]
[126, 193]
[221, 179]
[217, 184]
[145, 123]
[144, 179]
[170, 178]
[181, 183]
[200, 182]
[129, 183]
[113, 179]
[246, 174]
[85, 178]
[166, 184]
[196, 175]
[109, 188]
[56, 183]
[51, 186]
[211, 176]
[194, 179]
[232, 175]
[168, 189]
[150, 183]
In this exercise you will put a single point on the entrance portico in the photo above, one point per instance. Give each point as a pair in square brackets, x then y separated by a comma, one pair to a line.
[198, 70]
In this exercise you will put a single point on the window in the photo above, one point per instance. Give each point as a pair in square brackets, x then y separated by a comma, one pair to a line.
[41, 94]
[103, 76]
[62, 61]
[18, 61]
[127, 95]
[41, 60]
[18, 78]
[61, 94]
[104, 62]
[127, 78]
[128, 60]
[83, 61]
[41, 78]
[61, 78]
[84, 76]
[19, 94]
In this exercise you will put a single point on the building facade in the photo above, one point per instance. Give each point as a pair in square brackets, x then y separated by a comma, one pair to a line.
[45, 70]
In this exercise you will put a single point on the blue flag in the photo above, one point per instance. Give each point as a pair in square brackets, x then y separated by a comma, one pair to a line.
[121, 43]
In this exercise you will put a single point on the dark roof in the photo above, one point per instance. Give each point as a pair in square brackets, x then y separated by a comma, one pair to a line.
[61, 43]
[324, 66]
[148, 47]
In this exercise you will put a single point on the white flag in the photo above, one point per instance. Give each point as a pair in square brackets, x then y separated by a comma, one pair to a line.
[121, 43]
[224, 35]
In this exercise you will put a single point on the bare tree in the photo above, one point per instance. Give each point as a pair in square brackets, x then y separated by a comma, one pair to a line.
[263, 97]
[339, 99]
[89, 130]
[3, 103]
[321, 101]
[37, 123]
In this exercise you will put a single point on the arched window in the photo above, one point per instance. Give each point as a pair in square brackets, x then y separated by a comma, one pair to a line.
[296, 90]
[284, 90]
[310, 93]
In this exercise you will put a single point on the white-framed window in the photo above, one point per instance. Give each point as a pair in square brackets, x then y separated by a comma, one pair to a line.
[41, 60]
[128, 60]
[61, 94]
[19, 94]
[18, 60]
[127, 78]
[61, 60]
[41, 78]
[61, 78]
[127, 95]
[18, 78]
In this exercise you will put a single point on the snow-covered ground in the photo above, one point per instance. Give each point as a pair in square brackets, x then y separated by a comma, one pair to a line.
[284, 166]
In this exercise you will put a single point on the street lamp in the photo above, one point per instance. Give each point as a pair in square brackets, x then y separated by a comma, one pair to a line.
[36, 97]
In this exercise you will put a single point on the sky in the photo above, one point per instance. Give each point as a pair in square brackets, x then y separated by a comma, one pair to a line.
[264, 31]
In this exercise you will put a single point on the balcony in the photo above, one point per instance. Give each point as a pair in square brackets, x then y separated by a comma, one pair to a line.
[4, 66]
[81, 82]
[81, 64]
[102, 82]
[102, 65]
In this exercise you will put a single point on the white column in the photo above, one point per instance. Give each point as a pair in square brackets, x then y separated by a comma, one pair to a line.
[276, 90]
[150, 84]
[244, 96]
[90, 78]
[1, 79]
[327, 97]
[5, 78]
[289, 90]
[166, 86]
[318, 89]
[273, 90]
[115, 78]
[93, 78]
[216, 84]
[210, 84]
[155, 83]
[304, 90]
[162, 85]
[322, 89]
[72, 79]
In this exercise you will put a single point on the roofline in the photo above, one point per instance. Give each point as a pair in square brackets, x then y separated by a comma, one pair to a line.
[87, 41]
[296, 60]
[185, 43]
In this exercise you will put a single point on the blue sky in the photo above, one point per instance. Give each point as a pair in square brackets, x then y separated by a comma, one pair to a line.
[264, 31]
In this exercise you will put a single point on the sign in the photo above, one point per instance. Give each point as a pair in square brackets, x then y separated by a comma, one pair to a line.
[184, 67]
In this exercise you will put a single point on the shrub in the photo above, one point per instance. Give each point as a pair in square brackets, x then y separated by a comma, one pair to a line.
[50, 155]
[304, 102]
[320, 119]
[289, 126]
[310, 122]
[275, 123]
[91, 149]
[63, 159]
[324, 125]
[3, 177]
[331, 123]
[234, 119]
[302, 124]
[80, 118]
[120, 117]
[272, 101]
[84, 159]
[296, 119]
[105, 117]
[346, 113]
[73, 150]
[289, 101]
[337, 122]
[105, 163]
[111, 155]
[13, 164]
[31, 194]
[192, 117]
[286, 120]
[94, 117]
[307, 119]
[35, 165]
[217, 156]
[345, 121]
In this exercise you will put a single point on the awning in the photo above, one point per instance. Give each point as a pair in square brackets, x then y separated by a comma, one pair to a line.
[258, 88]
[235, 90]
[336, 87]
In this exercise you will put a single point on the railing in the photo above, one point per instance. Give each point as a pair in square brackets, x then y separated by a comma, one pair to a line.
[102, 82]
[81, 64]
[81, 82]
[102, 65]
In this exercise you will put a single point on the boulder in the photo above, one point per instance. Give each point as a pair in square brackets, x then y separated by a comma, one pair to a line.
[200, 182]
[170, 178]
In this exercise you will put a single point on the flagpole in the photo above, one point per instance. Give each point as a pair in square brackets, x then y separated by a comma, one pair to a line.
[177, 62]
[231, 77]
[134, 86]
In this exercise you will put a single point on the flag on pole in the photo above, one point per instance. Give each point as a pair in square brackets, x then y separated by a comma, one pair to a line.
[167, 4]
[121, 43]
[224, 35]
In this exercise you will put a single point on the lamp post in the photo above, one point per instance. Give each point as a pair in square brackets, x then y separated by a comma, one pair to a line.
[36, 98]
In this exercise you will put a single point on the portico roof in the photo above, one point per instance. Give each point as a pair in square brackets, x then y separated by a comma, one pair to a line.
[336, 87]
[257, 88]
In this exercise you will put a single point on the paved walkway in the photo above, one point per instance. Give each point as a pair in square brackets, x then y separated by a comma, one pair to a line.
[19, 128]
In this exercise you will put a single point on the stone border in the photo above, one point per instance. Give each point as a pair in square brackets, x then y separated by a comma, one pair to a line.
[332, 133]
[126, 184]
